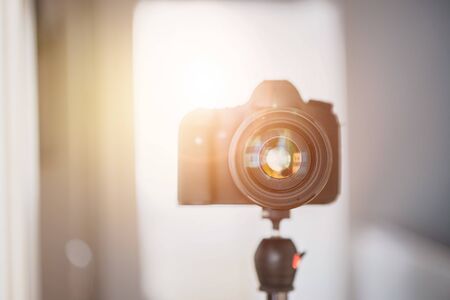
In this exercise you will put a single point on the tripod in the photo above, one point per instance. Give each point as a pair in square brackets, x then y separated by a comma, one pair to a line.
[276, 259]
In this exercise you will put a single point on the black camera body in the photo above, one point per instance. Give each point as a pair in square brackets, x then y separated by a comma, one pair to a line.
[275, 151]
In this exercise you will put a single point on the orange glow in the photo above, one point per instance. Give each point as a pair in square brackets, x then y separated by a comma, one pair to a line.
[296, 260]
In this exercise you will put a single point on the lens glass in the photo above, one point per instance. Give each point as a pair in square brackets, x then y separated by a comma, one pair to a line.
[277, 153]
[280, 157]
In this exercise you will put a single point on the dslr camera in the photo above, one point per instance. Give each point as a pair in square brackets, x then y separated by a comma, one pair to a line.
[275, 151]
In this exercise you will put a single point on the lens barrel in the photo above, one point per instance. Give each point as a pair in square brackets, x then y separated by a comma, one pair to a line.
[280, 158]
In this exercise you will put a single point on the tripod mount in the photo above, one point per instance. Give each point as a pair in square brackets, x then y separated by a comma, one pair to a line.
[276, 259]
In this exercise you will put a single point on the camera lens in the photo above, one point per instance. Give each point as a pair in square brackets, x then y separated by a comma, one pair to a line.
[280, 158]
[276, 157]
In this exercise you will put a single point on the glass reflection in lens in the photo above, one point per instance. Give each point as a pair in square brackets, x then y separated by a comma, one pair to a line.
[280, 157]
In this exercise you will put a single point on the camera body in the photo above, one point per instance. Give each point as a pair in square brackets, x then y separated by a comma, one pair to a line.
[275, 151]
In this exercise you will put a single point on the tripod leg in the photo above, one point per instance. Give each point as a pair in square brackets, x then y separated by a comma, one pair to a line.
[277, 296]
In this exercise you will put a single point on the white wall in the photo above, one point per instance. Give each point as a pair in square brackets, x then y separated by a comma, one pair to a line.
[399, 108]
[18, 153]
[213, 54]
[399, 86]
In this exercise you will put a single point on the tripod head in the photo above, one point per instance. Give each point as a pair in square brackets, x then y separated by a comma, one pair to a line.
[276, 260]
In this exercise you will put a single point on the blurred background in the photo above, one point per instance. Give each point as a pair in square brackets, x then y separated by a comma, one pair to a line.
[91, 96]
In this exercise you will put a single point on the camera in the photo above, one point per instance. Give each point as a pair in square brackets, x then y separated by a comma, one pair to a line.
[275, 151]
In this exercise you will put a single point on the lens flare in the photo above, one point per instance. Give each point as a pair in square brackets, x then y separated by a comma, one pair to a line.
[280, 157]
